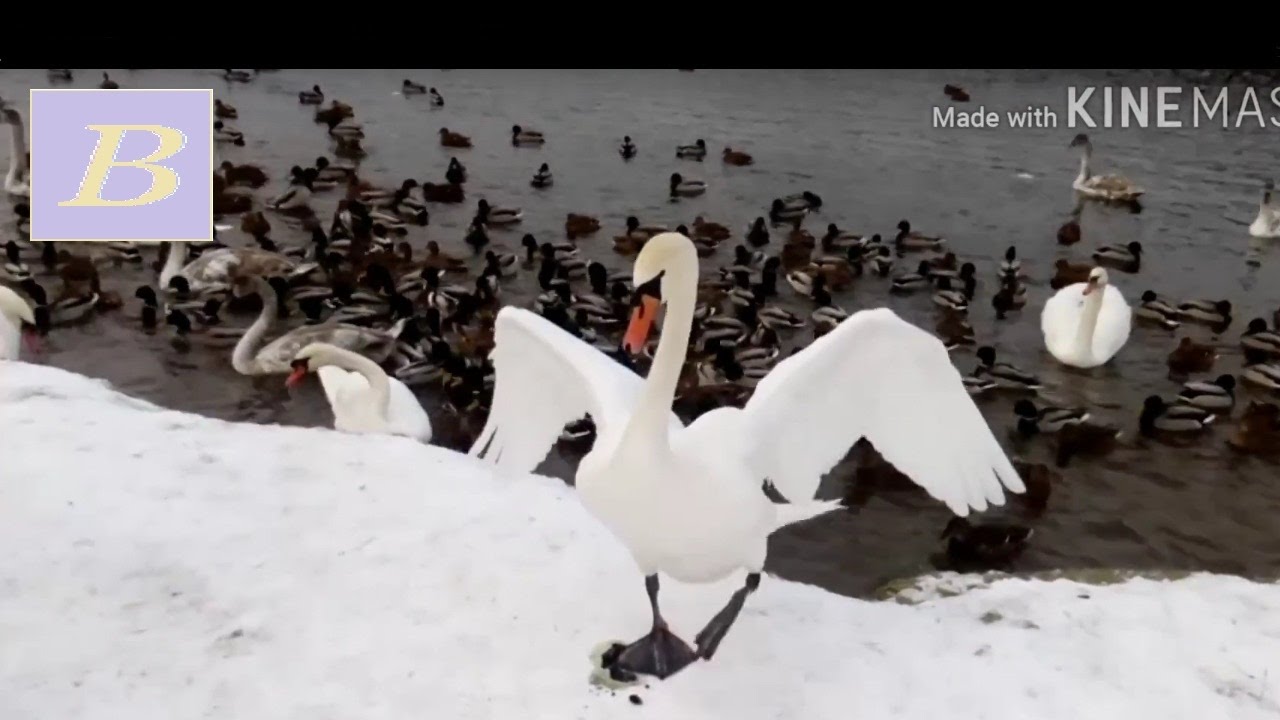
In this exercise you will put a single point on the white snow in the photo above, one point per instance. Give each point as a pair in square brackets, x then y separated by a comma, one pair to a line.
[156, 565]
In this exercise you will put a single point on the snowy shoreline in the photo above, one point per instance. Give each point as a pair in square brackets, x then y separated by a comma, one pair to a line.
[162, 565]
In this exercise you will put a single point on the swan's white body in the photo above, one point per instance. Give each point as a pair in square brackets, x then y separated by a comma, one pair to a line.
[363, 398]
[13, 312]
[213, 269]
[1086, 331]
[16, 181]
[688, 501]
[275, 357]
[1267, 224]
[1105, 187]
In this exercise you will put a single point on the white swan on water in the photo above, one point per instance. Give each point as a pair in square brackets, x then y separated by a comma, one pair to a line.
[363, 398]
[15, 317]
[16, 181]
[1086, 324]
[1267, 223]
[690, 501]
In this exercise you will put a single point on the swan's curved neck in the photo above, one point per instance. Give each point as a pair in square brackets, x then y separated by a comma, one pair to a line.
[174, 263]
[1089, 322]
[379, 384]
[17, 152]
[243, 358]
[1085, 154]
[648, 425]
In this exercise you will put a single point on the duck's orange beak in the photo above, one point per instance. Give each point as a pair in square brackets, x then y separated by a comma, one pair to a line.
[641, 322]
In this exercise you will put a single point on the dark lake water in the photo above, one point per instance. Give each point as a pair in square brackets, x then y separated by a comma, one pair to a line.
[865, 142]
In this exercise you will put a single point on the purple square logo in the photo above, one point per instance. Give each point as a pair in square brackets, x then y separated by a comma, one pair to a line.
[110, 165]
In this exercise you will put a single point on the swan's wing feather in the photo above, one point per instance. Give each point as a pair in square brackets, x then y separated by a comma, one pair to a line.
[340, 385]
[406, 414]
[545, 379]
[875, 375]
[1061, 317]
[1115, 321]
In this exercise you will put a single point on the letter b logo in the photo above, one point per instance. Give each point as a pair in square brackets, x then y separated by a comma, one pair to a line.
[121, 165]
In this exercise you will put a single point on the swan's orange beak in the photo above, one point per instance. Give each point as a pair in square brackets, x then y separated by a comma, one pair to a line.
[641, 323]
[299, 372]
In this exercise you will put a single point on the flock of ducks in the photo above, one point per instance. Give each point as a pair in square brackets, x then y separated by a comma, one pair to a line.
[373, 316]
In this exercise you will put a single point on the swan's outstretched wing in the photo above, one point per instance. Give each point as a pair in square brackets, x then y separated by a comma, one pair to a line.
[880, 377]
[545, 379]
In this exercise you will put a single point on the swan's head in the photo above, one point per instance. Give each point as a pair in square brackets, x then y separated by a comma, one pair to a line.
[663, 252]
[308, 359]
[1080, 140]
[1097, 280]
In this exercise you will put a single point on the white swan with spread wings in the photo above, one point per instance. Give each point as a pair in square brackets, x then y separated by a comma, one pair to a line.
[690, 501]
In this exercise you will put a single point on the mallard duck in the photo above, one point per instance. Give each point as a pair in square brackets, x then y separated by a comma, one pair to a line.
[1258, 430]
[1217, 395]
[1011, 296]
[66, 310]
[907, 239]
[224, 110]
[576, 226]
[245, 175]
[409, 87]
[948, 299]
[437, 100]
[1259, 340]
[1066, 273]
[776, 318]
[506, 265]
[1104, 187]
[1262, 375]
[14, 270]
[1159, 416]
[1191, 357]
[107, 83]
[836, 271]
[696, 151]
[780, 213]
[734, 157]
[1126, 257]
[835, 239]
[710, 230]
[1267, 223]
[807, 200]
[1085, 438]
[680, 187]
[1049, 419]
[1011, 265]
[984, 546]
[453, 139]
[222, 133]
[882, 261]
[1155, 310]
[911, 282]
[757, 233]
[486, 214]
[456, 173]
[58, 74]
[520, 136]
[976, 385]
[314, 96]
[628, 149]
[237, 75]
[1212, 312]
[955, 331]
[1009, 376]
[447, 193]
[1069, 233]
[542, 179]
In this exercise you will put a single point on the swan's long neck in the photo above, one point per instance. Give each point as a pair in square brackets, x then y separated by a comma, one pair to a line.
[174, 263]
[17, 151]
[680, 285]
[243, 358]
[1085, 156]
[1089, 322]
[379, 384]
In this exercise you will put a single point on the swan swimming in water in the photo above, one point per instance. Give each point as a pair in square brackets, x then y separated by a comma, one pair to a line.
[1105, 187]
[1267, 224]
[691, 502]
[16, 181]
[1086, 324]
[363, 398]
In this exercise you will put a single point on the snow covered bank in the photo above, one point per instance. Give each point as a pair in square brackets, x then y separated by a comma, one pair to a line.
[158, 565]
